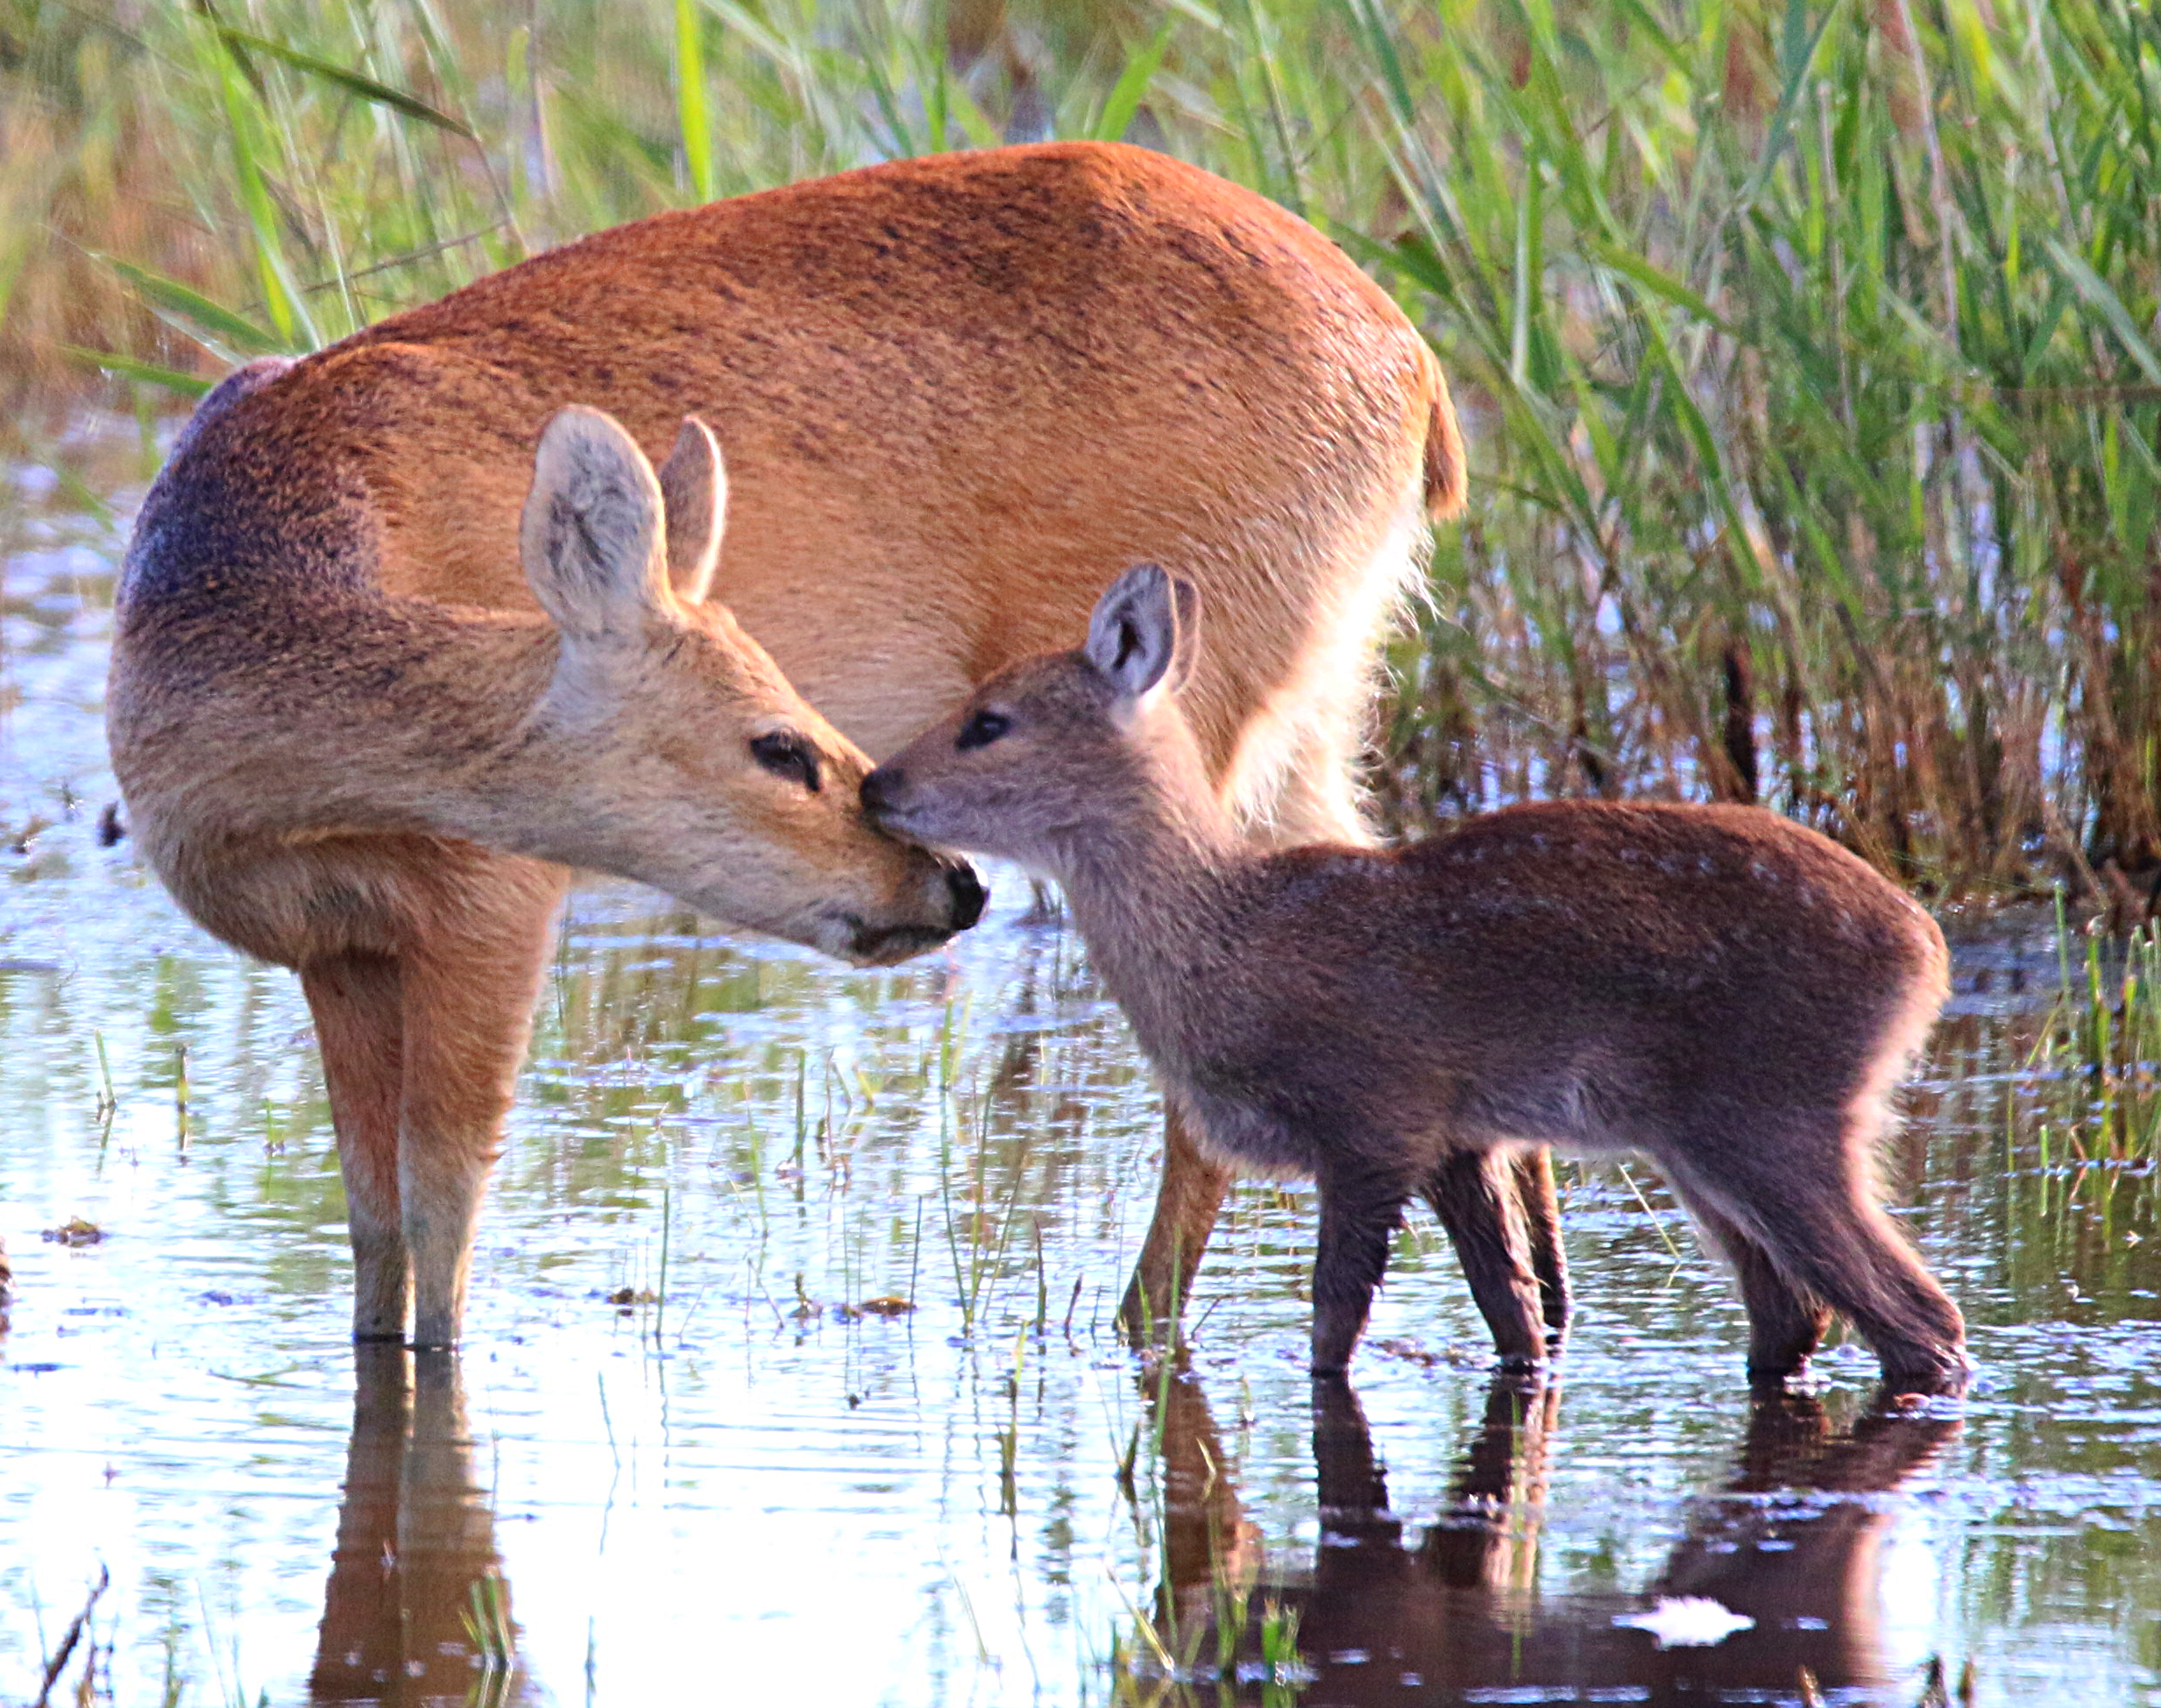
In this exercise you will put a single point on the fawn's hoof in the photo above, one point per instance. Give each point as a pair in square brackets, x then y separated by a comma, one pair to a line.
[1944, 1379]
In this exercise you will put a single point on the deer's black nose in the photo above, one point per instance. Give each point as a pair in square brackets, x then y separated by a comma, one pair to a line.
[969, 894]
[879, 789]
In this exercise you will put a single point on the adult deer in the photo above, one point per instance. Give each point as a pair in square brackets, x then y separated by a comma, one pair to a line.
[363, 721]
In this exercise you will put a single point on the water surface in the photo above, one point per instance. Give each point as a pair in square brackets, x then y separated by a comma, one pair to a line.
[678, 1454]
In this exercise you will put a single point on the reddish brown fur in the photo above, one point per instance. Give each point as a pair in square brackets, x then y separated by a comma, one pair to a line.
[1717, 988]
[947, 390]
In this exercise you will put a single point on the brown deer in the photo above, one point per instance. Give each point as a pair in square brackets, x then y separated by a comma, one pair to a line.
[1717, 988]
[364, 715]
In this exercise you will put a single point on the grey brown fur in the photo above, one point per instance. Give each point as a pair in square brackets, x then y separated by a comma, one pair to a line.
[1717, 988]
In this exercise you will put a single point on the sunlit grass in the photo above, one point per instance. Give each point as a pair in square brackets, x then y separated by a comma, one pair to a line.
[1807, 350]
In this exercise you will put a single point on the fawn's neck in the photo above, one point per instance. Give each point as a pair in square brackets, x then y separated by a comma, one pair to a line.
[1152, 888]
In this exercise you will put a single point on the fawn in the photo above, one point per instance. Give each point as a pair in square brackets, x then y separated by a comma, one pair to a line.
[1716, 987]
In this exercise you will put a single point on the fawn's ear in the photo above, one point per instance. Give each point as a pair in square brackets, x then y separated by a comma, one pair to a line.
[591, 537]
[1145, 631]
[1186, 601]
[694, 494]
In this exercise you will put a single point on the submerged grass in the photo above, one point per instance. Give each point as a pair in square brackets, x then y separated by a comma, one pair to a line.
[1809, 346]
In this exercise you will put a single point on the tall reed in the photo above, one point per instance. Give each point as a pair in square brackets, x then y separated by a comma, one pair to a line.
[1809, 347]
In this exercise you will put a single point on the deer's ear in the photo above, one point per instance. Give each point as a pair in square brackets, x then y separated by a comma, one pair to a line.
[1133, 637]
[591, 537]
[694, 494]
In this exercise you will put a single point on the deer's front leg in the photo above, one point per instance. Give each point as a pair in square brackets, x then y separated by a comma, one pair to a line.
[1359, 1213]
[469, 986]
[358, 1003]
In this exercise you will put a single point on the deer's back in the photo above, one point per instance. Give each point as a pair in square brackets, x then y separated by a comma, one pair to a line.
[954, 395]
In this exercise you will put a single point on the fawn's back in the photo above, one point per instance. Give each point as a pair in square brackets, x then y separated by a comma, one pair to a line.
[1577, 973]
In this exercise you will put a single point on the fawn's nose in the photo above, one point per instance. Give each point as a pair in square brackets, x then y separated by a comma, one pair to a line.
[969, 894]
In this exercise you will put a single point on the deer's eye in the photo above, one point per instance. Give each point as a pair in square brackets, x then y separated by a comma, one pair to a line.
[982, 729]
[787, 755]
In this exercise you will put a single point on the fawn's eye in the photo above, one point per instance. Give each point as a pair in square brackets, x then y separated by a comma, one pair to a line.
[982, 729]
[787, 755]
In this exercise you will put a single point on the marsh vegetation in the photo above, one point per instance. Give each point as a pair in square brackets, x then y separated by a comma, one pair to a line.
[1808, 352]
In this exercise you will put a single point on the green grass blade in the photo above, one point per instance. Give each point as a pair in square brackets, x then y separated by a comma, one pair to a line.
[1131, 89]
[221, 323]
[186, 385]
[692, 121]
[353, 82]
[280, 297]
[2102, 297]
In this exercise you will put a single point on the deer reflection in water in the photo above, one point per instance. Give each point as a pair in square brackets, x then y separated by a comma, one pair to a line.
[416, 1610]
[1790, 1549]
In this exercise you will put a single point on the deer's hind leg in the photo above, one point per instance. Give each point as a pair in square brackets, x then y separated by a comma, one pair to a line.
[1478, 1195]
[1800, 1189]
[1786, 1323]
[1540, 1205]
[471, 976]
[357, 1001]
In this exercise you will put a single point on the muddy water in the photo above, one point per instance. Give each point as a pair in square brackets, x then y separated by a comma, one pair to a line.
[691, 1447]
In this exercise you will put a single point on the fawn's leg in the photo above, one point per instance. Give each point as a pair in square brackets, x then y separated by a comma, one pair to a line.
[1785, 1324]
[1191, 1196]
[1475, 1193]
[1359, 1213]
[357, 1003]
[1803, 1194]
[1540, 1207]
[471, 982]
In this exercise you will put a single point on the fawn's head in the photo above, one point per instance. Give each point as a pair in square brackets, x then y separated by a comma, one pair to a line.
[687, 758]
[1057, 750]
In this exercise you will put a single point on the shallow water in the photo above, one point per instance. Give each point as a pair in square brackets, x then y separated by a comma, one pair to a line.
[741, 1485]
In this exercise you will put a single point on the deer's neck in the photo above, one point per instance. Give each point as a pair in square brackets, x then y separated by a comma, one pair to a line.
[403, 717]
[487, 761]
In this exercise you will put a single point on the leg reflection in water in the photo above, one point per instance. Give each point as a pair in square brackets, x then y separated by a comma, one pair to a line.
[1785, 1558]
[416, 1610]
